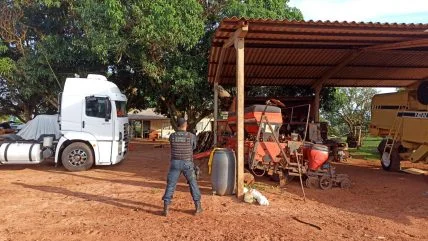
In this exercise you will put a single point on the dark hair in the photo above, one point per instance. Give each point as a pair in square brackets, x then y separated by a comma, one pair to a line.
[181, 122]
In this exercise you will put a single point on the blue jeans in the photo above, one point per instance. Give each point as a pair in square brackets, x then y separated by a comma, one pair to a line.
[176, 168]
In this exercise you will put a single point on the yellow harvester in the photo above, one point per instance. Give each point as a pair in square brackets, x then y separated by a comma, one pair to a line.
[402, 119]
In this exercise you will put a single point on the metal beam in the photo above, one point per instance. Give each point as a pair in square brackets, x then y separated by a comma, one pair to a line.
[285, 78]
[327, 65]
[331, 72]
[400, 45]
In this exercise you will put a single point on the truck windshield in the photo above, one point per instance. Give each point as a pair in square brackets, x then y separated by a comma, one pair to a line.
[121, 109]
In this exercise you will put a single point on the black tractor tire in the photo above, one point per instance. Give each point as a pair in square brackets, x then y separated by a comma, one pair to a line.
[381, 147]
[395, 159]
[422, 93]
[325, 183]
[312, 182]
[345, 183]
[77, 157]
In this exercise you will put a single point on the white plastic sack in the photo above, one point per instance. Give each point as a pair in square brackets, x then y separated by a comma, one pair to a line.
[40, 125]
[262, 200]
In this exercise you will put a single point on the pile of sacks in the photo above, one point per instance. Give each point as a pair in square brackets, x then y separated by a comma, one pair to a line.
[252, 194]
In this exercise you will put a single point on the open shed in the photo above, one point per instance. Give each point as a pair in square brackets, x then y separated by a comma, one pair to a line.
[338, 54]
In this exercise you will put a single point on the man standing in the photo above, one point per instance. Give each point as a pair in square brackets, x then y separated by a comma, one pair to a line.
[182, 145]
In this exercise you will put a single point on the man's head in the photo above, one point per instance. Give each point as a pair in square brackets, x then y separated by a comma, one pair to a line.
[182, 124]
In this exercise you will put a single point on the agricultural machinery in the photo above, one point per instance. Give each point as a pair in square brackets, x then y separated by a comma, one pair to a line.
[402, 119]
[282, 157]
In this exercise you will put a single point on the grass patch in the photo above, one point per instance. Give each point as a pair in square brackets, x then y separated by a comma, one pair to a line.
[368, 150]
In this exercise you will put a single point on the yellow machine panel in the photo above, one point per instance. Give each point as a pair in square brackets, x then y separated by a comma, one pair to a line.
[402, 118]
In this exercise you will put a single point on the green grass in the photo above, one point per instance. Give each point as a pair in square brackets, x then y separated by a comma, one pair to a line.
[368, 150]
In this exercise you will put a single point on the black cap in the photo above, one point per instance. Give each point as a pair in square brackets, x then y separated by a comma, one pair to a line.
[180, 122]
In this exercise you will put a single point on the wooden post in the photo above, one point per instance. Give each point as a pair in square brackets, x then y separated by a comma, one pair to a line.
[239, 46]
[317, 103]
[142, 130]
[215, 112]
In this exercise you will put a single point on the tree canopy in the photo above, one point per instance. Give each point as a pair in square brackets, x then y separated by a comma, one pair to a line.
[155, 51]
[352, 107]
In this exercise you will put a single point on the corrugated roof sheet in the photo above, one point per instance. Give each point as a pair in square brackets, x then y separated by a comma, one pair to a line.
[282, 52]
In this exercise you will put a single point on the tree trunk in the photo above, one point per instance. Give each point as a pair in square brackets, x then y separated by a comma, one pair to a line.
[27, 113]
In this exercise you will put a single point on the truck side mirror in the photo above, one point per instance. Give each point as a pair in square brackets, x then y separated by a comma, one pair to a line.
[108, 109]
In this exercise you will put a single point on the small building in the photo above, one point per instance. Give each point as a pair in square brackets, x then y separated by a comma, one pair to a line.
[144, 122]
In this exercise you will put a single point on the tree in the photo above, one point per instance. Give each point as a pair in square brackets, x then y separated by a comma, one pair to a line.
[158, 50]
[352, 108]
[146, 45]
[44, 43]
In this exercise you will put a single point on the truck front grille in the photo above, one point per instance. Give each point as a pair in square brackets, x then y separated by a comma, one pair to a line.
[126, 136]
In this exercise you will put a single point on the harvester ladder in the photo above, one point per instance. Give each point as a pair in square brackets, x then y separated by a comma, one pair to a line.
[394, 132]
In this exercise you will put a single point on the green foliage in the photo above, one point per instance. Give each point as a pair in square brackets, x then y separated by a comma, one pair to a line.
[275, 9]
[368, 150]
[156, 51]
[50, 49]
[352, 107]
[6, 64]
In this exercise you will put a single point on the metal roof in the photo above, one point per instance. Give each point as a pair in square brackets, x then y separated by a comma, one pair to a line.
[347, 54]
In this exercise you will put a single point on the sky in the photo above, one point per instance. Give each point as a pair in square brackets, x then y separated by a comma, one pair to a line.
[391, 11]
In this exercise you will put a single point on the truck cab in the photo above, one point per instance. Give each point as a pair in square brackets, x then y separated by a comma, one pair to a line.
[93, 123]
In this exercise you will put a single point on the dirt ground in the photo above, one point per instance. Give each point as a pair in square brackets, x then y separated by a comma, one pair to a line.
[123, 202]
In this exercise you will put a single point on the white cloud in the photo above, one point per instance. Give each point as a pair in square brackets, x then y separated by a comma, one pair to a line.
[363, 10]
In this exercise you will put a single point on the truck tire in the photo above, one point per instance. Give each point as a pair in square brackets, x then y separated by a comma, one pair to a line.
[392, 163]
[423, 93]
[77, 157]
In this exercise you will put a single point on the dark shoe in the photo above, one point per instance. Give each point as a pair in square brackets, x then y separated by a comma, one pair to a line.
[165, 210]
[198, 207]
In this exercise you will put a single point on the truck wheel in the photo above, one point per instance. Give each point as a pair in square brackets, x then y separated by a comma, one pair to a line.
[391, 163]
[77, 157]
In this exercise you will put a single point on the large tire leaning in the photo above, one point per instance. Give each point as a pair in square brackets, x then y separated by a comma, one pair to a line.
[394, 160]
[77, 157]
[423, 93]
[381, 147]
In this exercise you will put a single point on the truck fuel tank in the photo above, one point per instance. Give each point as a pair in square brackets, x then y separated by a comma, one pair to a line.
[20, 153]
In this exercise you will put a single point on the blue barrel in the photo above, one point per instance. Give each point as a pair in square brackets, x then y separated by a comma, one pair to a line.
[223, 172]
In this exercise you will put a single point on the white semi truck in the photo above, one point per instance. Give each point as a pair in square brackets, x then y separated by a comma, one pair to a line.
[92, 125]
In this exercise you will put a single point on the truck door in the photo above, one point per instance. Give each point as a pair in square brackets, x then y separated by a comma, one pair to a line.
[98, 122]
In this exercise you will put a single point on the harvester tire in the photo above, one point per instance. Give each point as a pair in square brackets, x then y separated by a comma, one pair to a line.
[423, 93]
[381, 147]
[77, 157]
[394, 160]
